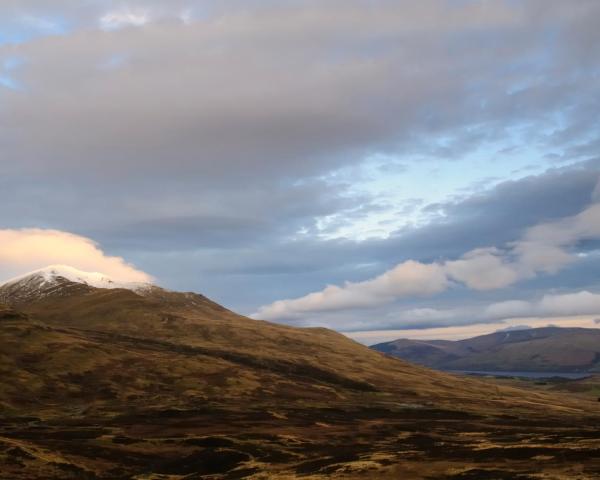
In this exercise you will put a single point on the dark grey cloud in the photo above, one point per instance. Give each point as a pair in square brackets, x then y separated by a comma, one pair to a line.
[283, 268]
[499, 215]
[292, 90]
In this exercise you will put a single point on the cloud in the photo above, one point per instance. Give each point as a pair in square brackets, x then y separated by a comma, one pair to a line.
[272, 266]
[596, 193]
[407, 279]
[25, 250]
[482, 269]
[331, 106]
[87, 14]
[124, 18]
[574, 308]
[541, 250]
[509, 308]
[196, 157]
[514, 328]
[579, 303]
[550, 305]
[42, 25]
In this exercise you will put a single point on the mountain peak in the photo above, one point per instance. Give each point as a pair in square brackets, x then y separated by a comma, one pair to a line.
[52, 273]
[55, 279]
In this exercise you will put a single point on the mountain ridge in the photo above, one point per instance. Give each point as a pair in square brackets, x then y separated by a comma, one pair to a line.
[189, 323]
[551, 349]
[60, 279]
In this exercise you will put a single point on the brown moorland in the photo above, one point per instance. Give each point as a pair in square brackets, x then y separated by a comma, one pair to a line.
[114, 384]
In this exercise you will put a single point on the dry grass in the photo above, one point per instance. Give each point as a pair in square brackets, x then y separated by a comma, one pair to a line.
[109, 384]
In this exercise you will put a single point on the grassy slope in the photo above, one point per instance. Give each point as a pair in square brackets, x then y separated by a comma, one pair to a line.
[108, 383]
[182, 348]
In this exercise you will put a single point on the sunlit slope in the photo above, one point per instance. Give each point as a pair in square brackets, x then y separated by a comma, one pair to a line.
[106, 384]
[102, 351]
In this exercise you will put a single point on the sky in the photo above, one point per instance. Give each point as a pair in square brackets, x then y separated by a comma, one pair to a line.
[384, 168]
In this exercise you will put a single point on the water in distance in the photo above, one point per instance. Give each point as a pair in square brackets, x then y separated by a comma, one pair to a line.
[570, 376]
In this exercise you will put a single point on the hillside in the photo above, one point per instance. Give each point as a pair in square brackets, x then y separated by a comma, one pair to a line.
[146, 383]
[548, 349]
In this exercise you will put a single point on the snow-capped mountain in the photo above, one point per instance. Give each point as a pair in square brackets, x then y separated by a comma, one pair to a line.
[58, 280]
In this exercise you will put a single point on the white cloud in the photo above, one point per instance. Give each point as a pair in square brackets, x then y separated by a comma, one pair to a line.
[580, 303]
[538, 256]
[542, 249]
[124, 18]
[482, 269]
[550, 305]
[514, 328]
[459, 332]
[508, 309]
[24, 250]
[406, 279]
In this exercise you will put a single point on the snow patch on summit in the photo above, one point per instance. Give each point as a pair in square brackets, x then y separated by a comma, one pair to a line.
[54, 273]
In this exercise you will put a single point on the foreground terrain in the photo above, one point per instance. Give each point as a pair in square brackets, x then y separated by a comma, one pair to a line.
[149, 384]
[586, 388]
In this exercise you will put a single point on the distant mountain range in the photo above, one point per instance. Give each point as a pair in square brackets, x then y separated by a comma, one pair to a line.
[548, 349]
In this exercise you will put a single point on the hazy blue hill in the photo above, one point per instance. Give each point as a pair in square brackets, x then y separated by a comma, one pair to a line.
[550, 349]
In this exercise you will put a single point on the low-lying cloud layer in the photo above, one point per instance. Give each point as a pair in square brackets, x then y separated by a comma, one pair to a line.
[544, 248]
[551, 305]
